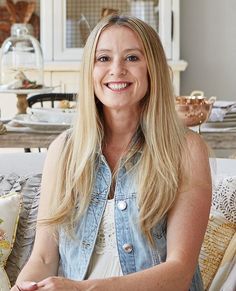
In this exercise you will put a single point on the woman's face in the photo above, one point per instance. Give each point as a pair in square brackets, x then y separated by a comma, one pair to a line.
[120, 70]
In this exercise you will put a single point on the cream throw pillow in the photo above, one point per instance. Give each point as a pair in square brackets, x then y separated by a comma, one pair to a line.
[28, 187]
[217, 238]
[9, 215]
[225, 278]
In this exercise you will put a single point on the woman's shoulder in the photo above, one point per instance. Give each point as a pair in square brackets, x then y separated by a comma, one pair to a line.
[60, 141]
[56, 147]
[194, 140]
[197, 151]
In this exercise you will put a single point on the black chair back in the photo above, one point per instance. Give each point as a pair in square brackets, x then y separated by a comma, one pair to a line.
[50, 97]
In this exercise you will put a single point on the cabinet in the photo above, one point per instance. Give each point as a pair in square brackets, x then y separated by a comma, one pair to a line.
[66, 24]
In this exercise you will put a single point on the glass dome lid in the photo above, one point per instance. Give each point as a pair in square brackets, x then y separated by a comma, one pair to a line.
[21, 60]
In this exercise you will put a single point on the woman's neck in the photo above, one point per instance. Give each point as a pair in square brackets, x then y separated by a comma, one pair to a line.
[120, 126]
[119, 131]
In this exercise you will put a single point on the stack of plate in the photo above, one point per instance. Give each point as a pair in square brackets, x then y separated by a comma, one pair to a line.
[45, 119]
[223, 115]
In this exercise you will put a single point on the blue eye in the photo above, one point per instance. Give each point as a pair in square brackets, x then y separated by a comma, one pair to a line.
[103, 59]
[132, 58]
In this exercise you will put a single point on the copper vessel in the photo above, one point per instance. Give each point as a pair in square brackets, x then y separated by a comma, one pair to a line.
[194, 109]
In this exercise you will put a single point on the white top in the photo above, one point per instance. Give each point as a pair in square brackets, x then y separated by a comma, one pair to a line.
[105, 260]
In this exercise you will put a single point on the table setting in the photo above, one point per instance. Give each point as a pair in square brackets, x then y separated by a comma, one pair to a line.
[38, 127]
[43, 120]
[223, 116]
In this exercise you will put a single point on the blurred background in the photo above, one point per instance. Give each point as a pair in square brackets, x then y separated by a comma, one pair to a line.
[208, 44]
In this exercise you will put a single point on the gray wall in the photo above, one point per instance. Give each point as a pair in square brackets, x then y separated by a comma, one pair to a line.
[208, 44]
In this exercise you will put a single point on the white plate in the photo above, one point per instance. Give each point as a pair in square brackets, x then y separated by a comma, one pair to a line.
[220, 124]
[224, 104]
[230, 114]
[27, 91]
[25, 120]
[5, 120]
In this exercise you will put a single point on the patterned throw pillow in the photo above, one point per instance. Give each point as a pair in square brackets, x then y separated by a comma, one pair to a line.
[29, 188]
[9, 214]
[224, 198]
[220, 230]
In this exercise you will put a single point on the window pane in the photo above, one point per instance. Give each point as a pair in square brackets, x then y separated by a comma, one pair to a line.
[82, 16]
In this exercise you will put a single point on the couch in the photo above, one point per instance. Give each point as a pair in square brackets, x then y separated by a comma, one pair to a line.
[20, 177]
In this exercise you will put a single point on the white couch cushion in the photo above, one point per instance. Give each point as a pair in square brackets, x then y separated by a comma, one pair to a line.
[21, 163]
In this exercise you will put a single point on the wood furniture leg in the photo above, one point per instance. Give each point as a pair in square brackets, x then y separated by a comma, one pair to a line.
[22, 103]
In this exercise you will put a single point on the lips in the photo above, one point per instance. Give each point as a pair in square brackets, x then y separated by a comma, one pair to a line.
[118, 86]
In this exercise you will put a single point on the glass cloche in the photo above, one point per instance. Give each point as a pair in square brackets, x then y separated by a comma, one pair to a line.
[21, 60]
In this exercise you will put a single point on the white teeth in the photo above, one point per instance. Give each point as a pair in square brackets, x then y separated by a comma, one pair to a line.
[117, 86]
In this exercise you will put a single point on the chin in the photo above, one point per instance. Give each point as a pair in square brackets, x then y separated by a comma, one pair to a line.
[114, 106]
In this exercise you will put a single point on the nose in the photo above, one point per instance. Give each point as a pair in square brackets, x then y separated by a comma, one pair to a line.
[117, 68]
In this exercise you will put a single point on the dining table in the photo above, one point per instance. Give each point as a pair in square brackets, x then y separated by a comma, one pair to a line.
[24, 137]
[20, 137]
[220, 139]
[27, 131]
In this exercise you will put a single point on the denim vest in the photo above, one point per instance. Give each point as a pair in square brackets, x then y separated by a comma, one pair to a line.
[135, 253]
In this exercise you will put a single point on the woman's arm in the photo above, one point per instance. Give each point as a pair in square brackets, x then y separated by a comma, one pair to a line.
[43, 261]
[187, 220]
[187, 223]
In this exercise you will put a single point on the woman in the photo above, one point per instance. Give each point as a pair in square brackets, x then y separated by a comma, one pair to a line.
[125, 195]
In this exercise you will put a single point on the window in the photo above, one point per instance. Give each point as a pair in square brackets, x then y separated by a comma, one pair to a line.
[73, 20]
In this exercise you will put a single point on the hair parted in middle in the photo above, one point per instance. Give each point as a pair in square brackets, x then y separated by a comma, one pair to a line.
[159, 167]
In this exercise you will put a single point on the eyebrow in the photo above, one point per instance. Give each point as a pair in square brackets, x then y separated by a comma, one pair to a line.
[126, 50]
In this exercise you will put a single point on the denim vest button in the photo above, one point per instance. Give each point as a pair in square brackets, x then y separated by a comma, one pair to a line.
[122, 205]
[127, 248]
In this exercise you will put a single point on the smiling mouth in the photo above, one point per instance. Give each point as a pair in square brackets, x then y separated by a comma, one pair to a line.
[118, 86]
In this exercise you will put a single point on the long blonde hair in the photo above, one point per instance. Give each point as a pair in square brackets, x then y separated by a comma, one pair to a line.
[159, 168]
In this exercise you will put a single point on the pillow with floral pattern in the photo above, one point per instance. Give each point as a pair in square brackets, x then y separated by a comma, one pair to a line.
[220, 230]
[9, 214]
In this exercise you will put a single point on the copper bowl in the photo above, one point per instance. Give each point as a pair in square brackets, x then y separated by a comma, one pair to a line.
[194, 109]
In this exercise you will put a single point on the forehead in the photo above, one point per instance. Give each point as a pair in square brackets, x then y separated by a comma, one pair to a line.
[118, 34]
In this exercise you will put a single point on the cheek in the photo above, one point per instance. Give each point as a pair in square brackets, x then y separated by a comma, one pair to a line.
[141, 74]
[95, 81]
[97, 76]
[144, 85]
[144, 80]
[94, 76]
[96, 89]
